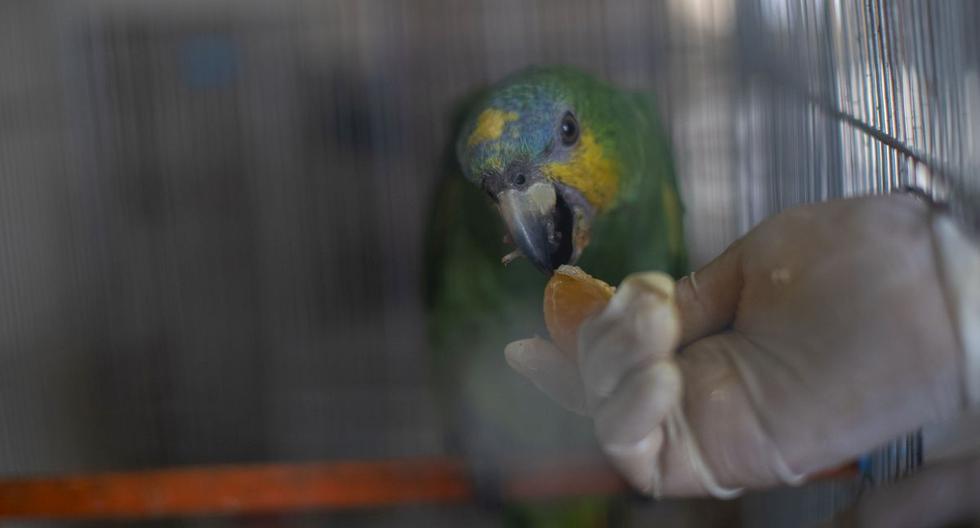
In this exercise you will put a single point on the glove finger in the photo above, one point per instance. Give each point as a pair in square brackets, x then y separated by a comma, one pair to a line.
[727, 422]
[639, 405]
[708, 298]
[638, 462]
[640, 325]
[639, 284]
[551, 371]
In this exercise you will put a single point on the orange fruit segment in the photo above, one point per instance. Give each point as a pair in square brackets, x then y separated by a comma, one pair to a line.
[570, 297]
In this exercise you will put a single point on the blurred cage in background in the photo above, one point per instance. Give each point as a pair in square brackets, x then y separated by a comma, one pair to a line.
[211, 212]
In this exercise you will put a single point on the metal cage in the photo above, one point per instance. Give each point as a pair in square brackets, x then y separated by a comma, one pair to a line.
[211, 212]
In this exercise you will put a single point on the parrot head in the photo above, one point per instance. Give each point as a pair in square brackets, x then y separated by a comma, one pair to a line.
[550, 148]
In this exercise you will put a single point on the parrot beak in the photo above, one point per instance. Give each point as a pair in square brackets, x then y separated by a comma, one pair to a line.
[543, 225]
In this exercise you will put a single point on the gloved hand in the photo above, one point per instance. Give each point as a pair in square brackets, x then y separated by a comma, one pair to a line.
[824, 332]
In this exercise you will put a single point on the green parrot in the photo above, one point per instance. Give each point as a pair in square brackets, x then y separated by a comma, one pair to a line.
[556, 167]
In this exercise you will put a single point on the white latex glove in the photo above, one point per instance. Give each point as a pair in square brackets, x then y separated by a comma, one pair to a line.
[823, 333]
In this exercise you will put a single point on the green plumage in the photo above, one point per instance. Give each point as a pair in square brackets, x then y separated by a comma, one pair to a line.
[477, 305]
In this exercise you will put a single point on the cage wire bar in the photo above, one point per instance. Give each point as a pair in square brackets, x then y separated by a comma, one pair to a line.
[211, 212]
[889, 85]
[856, 98]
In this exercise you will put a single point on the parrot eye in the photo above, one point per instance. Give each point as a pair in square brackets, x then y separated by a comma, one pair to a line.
[569, 129]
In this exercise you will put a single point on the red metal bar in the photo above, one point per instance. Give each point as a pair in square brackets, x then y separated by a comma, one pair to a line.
[281, 488]
[562, 478]
[846, 471]
[235, 490]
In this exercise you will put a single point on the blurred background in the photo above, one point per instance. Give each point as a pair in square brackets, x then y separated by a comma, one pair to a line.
[211, 211]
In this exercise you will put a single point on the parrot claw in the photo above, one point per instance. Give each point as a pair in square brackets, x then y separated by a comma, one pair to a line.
[511, 257]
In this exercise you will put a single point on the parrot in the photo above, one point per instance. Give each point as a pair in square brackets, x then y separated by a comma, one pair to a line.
[552, 166]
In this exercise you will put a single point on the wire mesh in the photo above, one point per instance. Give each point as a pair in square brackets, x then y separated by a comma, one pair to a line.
[883, 92]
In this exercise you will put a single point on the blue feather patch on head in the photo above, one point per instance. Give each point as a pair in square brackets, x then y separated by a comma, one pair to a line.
[530, 114]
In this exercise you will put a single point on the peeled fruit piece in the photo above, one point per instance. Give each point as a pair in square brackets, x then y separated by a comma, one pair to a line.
[571, 297]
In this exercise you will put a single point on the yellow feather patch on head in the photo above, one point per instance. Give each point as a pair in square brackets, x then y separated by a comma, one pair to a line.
[490, 125]
[590, 171]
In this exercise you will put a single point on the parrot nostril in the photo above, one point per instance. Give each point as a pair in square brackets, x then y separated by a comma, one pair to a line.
[520, 179]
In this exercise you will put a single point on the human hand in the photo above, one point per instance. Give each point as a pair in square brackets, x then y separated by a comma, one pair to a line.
[823, 333]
